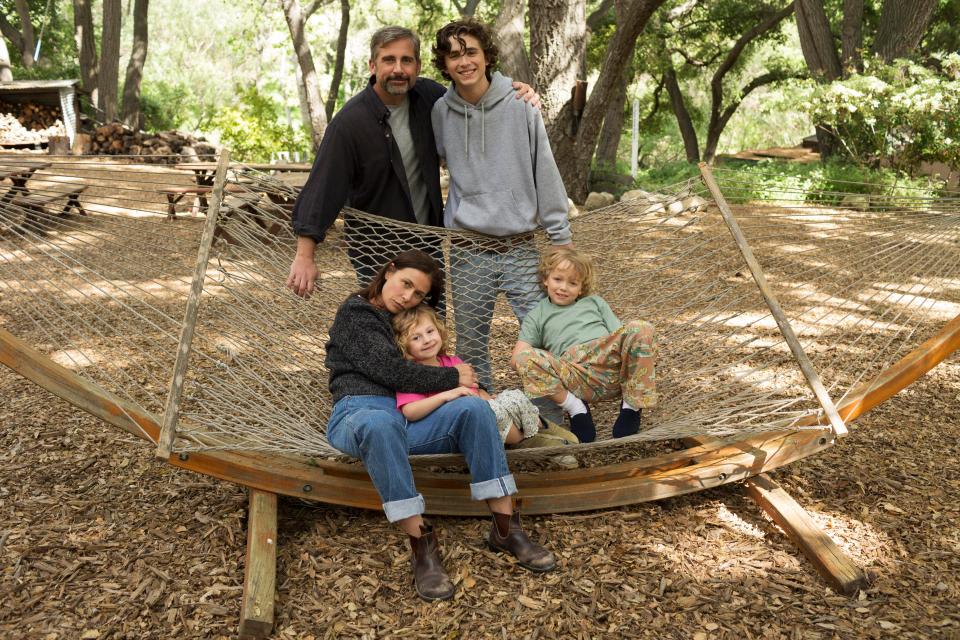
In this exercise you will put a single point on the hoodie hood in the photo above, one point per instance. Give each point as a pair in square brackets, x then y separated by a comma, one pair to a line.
[500, 89]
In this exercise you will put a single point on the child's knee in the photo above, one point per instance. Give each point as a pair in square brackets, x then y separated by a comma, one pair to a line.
[522, 357]
[639, 326]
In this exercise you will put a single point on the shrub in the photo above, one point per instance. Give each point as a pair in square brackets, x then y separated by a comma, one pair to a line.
[253, 128]
[896, 115]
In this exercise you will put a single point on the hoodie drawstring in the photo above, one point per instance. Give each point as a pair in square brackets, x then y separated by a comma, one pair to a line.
[483, 137]
[466, 131]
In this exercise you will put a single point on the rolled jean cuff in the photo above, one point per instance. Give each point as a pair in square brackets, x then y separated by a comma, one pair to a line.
[400, 509]
[496, 488]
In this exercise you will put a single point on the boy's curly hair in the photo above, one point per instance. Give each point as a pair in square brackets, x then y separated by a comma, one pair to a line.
[581, 263]
[456, 30]
[405, 321]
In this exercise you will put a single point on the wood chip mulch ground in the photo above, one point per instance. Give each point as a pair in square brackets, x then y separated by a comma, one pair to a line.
[100, 540]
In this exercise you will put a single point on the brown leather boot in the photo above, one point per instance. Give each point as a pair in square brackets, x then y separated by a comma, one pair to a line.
[429, 578]
[506, 534]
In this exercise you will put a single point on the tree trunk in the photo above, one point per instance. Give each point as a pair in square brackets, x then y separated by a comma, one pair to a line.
[466, 9]
[851, 37]
[514, 61]
[687, 131]
[338, 64]
[902, 25]
[816, 40]
[719, 116]
[311, 82]
[612, 130]
[574, 153]
[558, 33]
[86, 47]
[28, 40]
[109, 75]
[132, 115]
[6, 73]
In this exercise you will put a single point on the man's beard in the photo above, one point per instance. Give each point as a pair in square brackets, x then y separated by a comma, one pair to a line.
[395, 90]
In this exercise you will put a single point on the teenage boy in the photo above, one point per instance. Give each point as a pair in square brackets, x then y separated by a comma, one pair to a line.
[504, 183]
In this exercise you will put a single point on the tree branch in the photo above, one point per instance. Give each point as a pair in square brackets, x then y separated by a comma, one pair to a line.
[312, 8]
[716, 83]
[595, 19]
[777, 75]
[11, 33]
[648, 119]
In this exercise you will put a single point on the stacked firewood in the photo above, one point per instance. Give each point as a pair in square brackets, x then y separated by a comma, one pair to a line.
[12, 131]
[33, 116]
[172, 146]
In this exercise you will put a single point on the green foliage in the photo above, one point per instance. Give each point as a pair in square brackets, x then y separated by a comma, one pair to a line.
[57, 49]
[823, 183]
[253, 129]
[163, 105]
[899, 114]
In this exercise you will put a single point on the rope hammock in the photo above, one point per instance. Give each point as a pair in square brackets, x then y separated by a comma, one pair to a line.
[861, 280]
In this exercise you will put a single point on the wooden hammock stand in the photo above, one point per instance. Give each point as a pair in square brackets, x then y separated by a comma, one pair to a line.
[706, 463]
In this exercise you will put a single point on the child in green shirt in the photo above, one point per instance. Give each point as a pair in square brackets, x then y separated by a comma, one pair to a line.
[573, 348]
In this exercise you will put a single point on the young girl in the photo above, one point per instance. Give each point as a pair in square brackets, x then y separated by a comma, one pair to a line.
[573, 348]
[422, 338]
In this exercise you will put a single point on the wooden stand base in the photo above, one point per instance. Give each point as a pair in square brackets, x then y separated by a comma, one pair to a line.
[260, 578]
[838, 569]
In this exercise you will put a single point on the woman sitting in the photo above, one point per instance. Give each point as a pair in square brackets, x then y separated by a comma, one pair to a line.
[366, 371]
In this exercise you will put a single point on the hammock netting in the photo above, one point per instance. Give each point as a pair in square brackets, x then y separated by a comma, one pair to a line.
[862, 281]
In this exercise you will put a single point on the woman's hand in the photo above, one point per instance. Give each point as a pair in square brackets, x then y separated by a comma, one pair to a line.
[468, 377]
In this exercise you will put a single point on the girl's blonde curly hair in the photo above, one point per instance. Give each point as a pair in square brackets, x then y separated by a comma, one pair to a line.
[405, 321]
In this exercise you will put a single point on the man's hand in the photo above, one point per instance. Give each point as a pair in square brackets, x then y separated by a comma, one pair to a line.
[468, 377]
[303, 271]
[527, 93]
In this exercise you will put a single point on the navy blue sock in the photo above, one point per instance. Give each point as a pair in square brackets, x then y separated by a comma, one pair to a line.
[583, 427]
[627, 424]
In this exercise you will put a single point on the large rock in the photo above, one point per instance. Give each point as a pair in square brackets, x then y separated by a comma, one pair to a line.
[572, 211]
[640, 194]
[694, 203]
[598, 201]
[857, 201]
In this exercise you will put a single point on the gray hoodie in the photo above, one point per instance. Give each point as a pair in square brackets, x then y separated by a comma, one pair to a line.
[503, 178]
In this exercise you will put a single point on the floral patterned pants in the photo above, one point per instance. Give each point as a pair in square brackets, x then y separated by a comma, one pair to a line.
[619, 364]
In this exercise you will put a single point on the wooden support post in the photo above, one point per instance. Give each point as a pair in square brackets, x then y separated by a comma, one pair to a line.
[260, 572]
[841, 573]
[833, 565]
[813, 379]
[168, 430]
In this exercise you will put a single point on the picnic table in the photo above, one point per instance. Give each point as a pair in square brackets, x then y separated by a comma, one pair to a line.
[204, 171]
[18, 172]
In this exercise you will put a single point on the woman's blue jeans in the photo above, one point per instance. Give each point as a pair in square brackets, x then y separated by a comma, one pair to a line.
[373, 429]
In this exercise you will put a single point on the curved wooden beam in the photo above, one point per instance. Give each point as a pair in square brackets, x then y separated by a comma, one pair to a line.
[694, 469]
